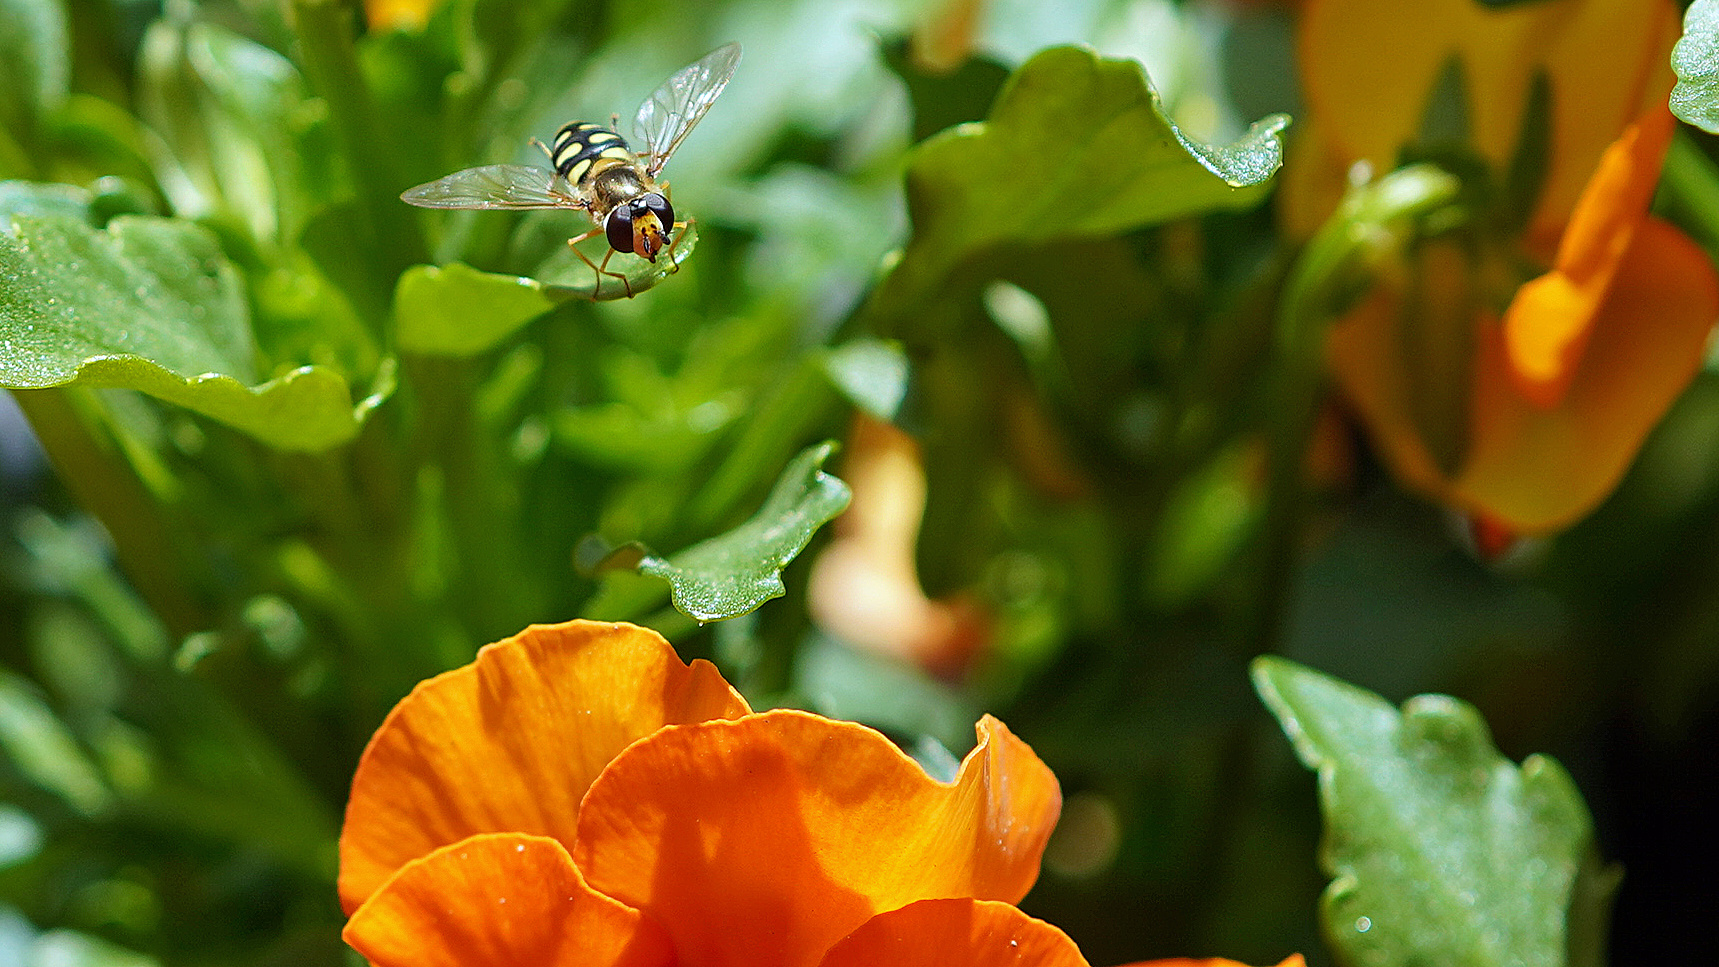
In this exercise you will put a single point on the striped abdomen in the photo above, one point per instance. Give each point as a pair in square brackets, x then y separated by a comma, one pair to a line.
[579, 145]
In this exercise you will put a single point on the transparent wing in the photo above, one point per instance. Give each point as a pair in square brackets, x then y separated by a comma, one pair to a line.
[670, 114]
[497, 186]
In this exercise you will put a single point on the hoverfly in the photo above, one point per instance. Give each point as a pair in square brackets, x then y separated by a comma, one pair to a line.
[596, 172]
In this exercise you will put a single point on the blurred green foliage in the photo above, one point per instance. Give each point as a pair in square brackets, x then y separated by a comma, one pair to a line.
[313, 445]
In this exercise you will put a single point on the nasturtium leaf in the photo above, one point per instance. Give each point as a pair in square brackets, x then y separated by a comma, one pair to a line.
[1440, 850]
[152, 304]
[1695, 59]
[1076, 146]
[732, 574]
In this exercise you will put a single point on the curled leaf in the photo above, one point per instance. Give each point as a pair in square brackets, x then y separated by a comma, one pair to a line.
[1440, 850]
[1076, 146]
[732, 574]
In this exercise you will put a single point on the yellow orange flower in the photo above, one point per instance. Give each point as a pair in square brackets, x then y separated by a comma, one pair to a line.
[577, 795]
[1368, 69]
[1524, 418]
[864, 588]
[398, 14]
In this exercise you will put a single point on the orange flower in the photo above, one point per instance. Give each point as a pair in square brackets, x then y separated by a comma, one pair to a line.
[398, 14]
[864, 588]
[1524, 419]
[1368, 69]
[577, 795]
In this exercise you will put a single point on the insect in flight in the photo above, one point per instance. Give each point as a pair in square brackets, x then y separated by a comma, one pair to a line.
[597, 172]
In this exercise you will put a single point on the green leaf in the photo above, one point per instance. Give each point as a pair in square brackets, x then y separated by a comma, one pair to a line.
[568, 277]
[151, 304]
[43, 750]
[1439, 849]
[20, 836]
[231, 113]
[730, 575]
[72, 948]
[456, 310]
[1695, 59]
[37, 198]
[1076, 146]
[35, 66]
[872, 373]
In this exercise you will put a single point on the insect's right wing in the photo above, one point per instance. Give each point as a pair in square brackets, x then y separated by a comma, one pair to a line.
[670, 114]
[497, 186]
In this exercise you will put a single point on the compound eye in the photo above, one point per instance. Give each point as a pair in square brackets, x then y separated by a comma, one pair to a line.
[661, 207]
[619, 228]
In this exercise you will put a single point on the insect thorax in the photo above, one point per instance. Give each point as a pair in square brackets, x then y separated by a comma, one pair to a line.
[613, 182]
[581, 147]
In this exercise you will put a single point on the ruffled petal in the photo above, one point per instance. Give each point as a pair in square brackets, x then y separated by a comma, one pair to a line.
[1547, 325]
[955, 933]
[1368, 69]
[500, 900]
[511, 742]
[761, 842]
[1539, 470]
[1610, 66]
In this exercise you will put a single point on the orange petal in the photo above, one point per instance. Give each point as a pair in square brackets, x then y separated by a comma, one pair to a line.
[1610, 67]
[1369, 67]
[398, 14]
[761, 842]
[955, 933]
[511, 742]
[500, 900]
[1539, 470]
[1365, 358]
[864, 588]
[1547, 325]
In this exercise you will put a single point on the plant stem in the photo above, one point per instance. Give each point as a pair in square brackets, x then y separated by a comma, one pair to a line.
[146, 535]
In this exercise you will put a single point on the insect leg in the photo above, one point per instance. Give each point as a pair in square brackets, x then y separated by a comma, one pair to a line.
[598, 270]
[546, 152]
[678, 229]
[624, 280]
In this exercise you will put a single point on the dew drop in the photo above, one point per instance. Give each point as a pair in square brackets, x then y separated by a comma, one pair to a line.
[1363, 924]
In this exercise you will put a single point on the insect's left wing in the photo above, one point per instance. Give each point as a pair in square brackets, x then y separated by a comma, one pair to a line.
[496, 186]
[669, 115]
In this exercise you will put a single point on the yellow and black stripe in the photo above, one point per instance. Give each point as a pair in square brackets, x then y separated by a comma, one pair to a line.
[578, 146]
